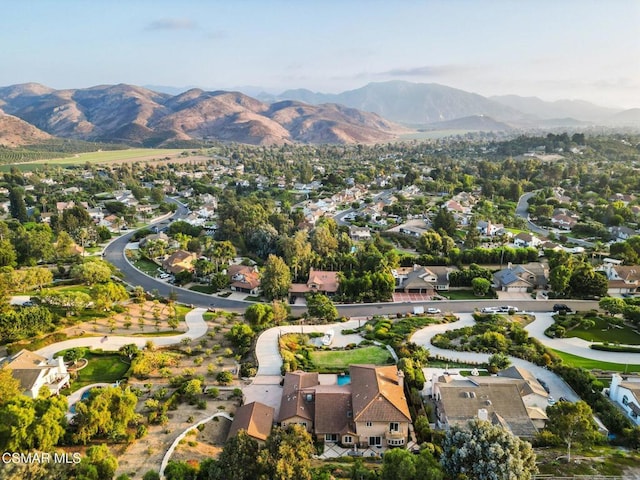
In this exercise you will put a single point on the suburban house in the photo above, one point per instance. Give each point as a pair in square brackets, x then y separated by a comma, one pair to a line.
[499, 400]
[526, 240]
[622, 279]
[488, 229]
[179, 261]
[625, 391]
[419, 279]
[35, 371]
[360, 233]
[563, 221]
[244, 279]
[622, 233]
[370, 411]
[255, 418]
[154, 237]
[320, 281]
[514, 279]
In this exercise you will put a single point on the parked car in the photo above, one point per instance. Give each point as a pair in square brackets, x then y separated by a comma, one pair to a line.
[489, 309]
[508, 308]
[551, 400]
[433, 310]
[543, 384]
[561, 307]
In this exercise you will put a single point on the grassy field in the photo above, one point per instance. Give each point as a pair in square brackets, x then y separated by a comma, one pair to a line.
[599, 333]
[109, 156]
[106, 368]
[343, 358]
[466, 295]
[590, 364]
[203, 289]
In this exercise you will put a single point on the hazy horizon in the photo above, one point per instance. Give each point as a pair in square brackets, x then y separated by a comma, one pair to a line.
[576, 50]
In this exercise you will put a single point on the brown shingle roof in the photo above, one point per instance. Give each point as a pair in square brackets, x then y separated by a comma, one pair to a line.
[531, 383]
[293, 402]
[333, 406]
[461, 400]
[255, 418]
[377, 395]
[327, 281]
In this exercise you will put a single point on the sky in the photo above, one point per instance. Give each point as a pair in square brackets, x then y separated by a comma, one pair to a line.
[553, 49]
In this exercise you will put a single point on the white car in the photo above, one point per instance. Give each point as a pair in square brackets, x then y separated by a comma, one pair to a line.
[489, 309]
[551, 400]
[508, 308]
[433, 310]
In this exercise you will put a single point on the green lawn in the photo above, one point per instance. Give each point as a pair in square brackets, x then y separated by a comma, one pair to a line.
[203, 289]
[590, 364]
[146, 266]
[333, 359]
[599, 333]
[466, 295]
[106, 368]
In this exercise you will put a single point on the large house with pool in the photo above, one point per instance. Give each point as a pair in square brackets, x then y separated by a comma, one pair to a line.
[369, 411]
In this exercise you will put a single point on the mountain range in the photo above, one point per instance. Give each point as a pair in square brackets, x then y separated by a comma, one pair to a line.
[377, 112]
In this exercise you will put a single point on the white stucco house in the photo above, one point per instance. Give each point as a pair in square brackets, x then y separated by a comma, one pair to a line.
[35, 371]
[625, 391]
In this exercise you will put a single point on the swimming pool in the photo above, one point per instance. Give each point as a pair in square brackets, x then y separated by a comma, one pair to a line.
[84, 396]
[344, 379]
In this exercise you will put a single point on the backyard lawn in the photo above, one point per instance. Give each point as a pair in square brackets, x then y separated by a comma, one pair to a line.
[107, 368]
[334, 359]
[466, 295]
[590, 364]
[601, 334]
[146, 266]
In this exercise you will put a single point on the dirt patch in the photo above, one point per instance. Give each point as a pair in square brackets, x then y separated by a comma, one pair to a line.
[147, 453]
[208, 443]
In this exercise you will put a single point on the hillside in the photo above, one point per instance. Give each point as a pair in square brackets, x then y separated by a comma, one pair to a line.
[577, 109]
[15, 132]
[475, 123]
[138, 116]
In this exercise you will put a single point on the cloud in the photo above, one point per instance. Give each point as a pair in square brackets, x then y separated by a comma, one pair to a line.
[172, 24]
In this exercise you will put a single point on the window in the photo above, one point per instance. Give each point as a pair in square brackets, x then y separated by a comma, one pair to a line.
[394, 427]
[375, 441]
[347, 439]
[369, 424]
[331, 437]
[625, 400]
[304, 424]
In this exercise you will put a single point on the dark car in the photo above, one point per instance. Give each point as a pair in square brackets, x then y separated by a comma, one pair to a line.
[561, 307]
[544, 385]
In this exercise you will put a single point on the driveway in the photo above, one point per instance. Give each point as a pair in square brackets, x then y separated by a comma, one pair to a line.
[196, 328]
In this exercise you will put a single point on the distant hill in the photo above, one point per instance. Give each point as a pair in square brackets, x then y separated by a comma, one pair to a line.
[576, 109]
[411, 103]
[626, 117]
[139, 116]
[475, 123]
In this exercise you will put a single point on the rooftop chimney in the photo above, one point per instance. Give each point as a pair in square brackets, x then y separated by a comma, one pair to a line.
[401, 378]
[483, 414]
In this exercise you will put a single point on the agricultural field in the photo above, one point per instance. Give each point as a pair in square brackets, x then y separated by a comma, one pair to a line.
[110, 156]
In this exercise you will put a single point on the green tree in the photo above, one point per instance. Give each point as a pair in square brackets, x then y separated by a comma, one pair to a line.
[612, 305]
[430, 242]
[445, 221]
[276, 278]
[323, 241]
[180, 471]
[320, 306]
[398, 464]
[105, 414]
[572, 423]
[287, 454]
[480, 286]
[237, 460]
[559, 279]
[483, 451]
[259, 314]
[585, 282]
[92, 271]
[10, 388]
[17, 207]
[74, 354]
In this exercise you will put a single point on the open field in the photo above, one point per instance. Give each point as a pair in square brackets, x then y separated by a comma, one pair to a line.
[343, 358]
[110, 156]
[590, 364]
